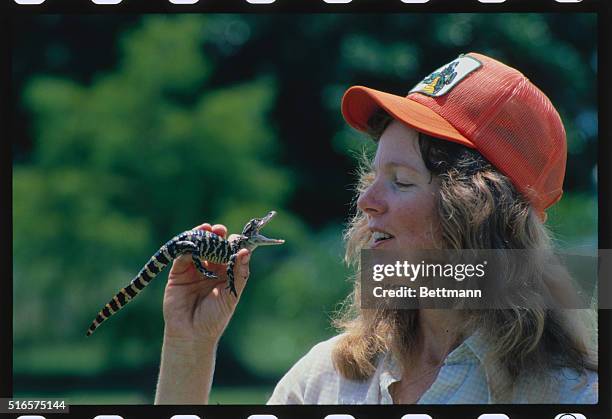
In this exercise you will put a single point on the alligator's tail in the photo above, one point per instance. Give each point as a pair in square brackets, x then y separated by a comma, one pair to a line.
[153, 267]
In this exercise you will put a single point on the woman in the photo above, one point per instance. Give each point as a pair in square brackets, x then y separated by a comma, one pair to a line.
[470, 159]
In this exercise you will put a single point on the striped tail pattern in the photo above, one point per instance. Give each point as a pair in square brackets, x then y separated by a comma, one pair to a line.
[154, 266]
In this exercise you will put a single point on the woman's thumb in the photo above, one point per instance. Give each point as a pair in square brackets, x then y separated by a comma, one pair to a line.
[242, 268]
[180, 266]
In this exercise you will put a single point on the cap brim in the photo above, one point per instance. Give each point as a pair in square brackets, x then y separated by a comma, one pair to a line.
[359, 104]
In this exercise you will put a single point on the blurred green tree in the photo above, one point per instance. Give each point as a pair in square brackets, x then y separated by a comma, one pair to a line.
[114, 174]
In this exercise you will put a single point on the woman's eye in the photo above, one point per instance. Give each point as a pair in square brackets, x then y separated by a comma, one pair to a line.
[402, 184]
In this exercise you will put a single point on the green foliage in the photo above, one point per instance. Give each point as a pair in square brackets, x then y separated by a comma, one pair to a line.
[162, 55]
[573, 220]
[116, 173]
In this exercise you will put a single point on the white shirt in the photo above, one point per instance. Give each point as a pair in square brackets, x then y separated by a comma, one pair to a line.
[461, 380]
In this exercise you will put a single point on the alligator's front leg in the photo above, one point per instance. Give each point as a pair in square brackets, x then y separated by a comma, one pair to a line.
[200, 267]
[230, 275]
[185, 246]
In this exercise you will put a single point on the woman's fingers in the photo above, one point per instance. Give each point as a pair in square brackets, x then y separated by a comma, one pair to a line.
[205, 226]
[219, 229]
[241, 270]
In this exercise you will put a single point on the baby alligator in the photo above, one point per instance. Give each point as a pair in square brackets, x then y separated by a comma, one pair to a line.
[201, 245]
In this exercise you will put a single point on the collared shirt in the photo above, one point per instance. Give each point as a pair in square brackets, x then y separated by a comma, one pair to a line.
[461, 380]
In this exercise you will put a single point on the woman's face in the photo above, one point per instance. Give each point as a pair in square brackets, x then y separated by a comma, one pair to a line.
[400, 203]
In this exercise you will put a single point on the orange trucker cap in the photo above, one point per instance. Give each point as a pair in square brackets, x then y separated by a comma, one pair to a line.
[483, 104]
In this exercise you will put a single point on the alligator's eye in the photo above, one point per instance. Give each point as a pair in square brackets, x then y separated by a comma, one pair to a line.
[250, 227]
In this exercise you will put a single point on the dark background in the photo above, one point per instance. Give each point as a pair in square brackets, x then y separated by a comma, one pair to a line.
[131, 128]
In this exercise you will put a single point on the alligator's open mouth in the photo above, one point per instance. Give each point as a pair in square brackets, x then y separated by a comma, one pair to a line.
[262, 240]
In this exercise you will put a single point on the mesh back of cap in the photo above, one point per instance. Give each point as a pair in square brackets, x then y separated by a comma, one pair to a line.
[512, 124]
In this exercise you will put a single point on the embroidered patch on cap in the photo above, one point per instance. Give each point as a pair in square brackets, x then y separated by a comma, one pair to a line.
[446, 77]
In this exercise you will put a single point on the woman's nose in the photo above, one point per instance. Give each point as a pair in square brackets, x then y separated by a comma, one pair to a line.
[371, 200]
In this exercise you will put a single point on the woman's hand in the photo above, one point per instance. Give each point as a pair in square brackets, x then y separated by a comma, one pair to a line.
[199, 309]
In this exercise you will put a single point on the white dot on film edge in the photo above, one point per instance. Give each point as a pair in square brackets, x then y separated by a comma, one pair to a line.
[415, 1]
[29, 1]
[260, 1]
[184, 1]
[106, 1]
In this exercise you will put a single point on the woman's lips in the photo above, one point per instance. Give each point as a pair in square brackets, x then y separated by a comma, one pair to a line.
[380, 243]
